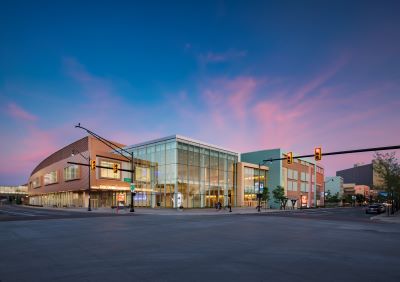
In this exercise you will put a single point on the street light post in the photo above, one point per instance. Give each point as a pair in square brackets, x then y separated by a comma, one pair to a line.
[89, 168]
[132, 191]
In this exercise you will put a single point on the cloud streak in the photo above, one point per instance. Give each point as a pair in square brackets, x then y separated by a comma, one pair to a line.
[19, 113]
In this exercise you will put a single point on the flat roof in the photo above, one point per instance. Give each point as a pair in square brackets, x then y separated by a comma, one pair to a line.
[181, 138]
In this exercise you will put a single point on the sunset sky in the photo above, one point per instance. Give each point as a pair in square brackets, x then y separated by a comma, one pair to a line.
[245, 75]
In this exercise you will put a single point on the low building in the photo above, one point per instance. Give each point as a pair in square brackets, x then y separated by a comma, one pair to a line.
[13, 194]
[363, 190]
[349, 189]
[303, 181]
[56, 182]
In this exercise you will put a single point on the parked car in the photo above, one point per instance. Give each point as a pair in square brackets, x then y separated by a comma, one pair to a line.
[375, 208]
[383, 207]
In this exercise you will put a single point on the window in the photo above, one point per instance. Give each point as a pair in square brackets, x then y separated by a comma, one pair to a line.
[142, 174]
[290, 185]
[294, 186]
[71, 172]
[50, 178]
[295, 175]
[303, 176]
[36, 182]
[307, 177]
[290, 174]
[303, 187]
[108, 172]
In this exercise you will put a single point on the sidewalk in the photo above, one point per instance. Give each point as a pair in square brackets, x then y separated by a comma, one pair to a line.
[393, 218]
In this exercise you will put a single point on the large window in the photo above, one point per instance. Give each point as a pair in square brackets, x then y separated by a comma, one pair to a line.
[50, 178]
[36, 182]
[71, 172]
[108, 172]
[142, 174]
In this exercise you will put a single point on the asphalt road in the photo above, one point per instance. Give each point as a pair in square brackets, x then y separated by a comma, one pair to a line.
[19, 212]
[309, 247]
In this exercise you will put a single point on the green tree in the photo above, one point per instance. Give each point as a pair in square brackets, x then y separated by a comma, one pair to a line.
[265, 194]
[387, 167]
[279, 196]
[360, 198]
[332, 198]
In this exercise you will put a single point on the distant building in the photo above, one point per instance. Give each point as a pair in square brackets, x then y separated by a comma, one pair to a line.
[334, 184]
[362, 190]
[13, 194]
[302, 181]
[361, 175]
[349, 189]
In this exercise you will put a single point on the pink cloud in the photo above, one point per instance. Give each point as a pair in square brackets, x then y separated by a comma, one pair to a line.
[19, 113]
[27, 151]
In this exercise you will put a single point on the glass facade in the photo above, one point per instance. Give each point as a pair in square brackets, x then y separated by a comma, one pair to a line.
[187, 174]
[253, 180]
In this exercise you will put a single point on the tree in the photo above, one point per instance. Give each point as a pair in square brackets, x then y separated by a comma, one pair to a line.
[360, 198]
[387, 167]
[279, 196]
[265, 194]
[332, 198]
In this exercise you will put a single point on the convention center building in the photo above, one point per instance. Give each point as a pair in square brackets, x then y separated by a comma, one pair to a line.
[169, 172]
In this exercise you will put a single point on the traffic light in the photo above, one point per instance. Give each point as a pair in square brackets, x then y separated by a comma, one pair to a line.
[318, 153]
[115, 168]
[93, 164]
[289, 158]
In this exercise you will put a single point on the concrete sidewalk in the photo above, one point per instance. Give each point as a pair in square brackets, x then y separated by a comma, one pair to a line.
[393, 218]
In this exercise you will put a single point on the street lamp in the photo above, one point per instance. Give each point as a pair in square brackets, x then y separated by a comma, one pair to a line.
[74, 152]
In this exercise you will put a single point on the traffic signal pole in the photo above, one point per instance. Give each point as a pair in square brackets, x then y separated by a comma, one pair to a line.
[339, 153]
[118, 150]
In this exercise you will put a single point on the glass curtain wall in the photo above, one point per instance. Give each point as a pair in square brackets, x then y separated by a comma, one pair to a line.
[252, 177]
[188, 175]
[159, 191]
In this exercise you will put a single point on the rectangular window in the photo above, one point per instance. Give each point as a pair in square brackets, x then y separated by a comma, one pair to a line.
[289, 185]
[303, 176]
[294, 186]
[108, 172]
[50, 178]
[307, 177]
[295, 175]
[71, 172]
[303, 187]
[36, 182]
[142, 174]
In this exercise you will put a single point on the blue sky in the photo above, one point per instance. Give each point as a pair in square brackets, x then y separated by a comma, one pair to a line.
[245, 75]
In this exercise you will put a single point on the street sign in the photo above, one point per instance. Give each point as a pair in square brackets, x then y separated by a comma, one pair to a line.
[132, 187]
[127, 180]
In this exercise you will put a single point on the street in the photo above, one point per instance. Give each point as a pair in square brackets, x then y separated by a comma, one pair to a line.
[304, 247]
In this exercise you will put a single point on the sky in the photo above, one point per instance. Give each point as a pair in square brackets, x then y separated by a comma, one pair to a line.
[245, 75]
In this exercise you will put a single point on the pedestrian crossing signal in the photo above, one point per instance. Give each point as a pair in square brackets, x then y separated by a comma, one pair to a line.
[93, 164]
[289, 158]
[318, 153]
